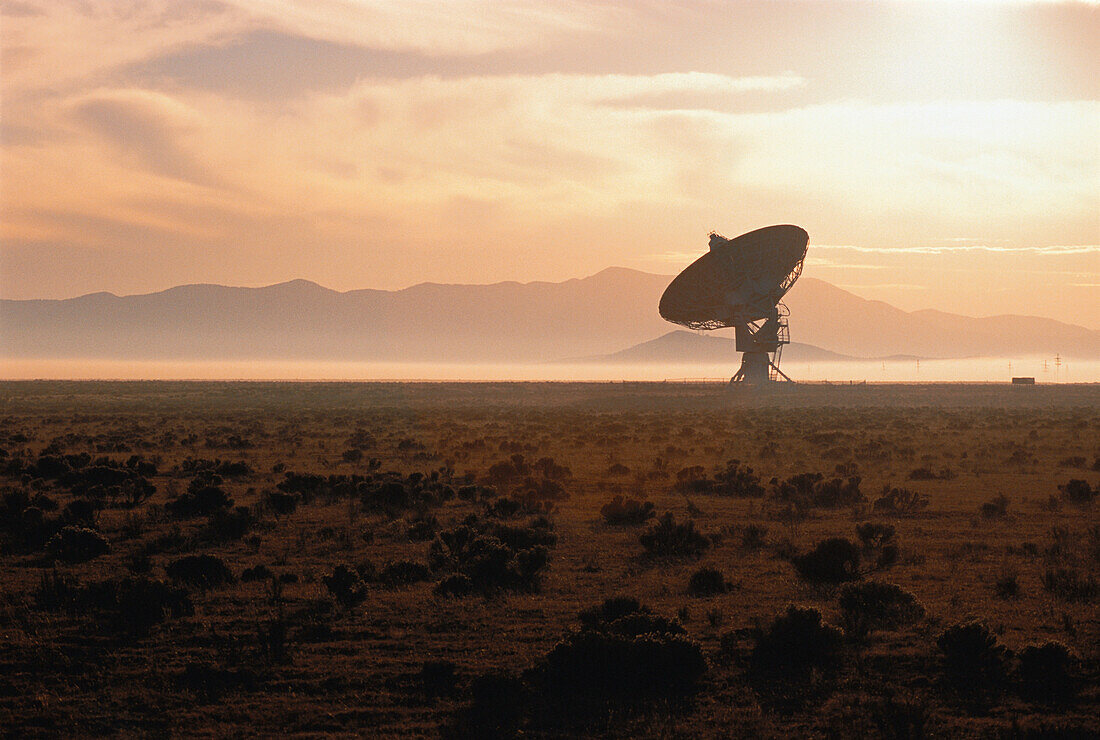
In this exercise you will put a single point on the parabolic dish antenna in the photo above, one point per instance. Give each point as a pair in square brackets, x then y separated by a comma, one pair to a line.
[739, 283]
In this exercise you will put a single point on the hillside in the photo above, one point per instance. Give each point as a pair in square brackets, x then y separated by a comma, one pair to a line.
[685, 347]
[501, 322]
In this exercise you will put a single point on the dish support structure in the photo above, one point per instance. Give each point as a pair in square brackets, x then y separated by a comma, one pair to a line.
[761, 344]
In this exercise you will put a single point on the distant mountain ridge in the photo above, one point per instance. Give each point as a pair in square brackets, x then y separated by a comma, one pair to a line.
[605, 313]
[684, 347]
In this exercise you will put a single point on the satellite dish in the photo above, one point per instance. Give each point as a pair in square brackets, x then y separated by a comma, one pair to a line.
[740, 283]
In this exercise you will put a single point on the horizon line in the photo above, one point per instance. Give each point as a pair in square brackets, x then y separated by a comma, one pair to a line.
[345, 292]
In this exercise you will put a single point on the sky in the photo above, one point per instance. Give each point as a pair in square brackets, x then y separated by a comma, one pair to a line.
[940, 154]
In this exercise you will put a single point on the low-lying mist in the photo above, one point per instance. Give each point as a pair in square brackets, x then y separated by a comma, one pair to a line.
[981, 370]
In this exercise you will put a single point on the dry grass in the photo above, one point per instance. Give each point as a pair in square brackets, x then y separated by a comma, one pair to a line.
[357, 670]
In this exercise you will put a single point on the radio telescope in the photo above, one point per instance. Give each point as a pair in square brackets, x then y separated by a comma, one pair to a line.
[740, 283]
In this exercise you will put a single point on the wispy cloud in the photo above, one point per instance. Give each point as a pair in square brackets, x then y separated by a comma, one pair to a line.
[147, 127]
[365, 142]
[455, 26]
[881, 286]
[825, 262]
[1049, 250]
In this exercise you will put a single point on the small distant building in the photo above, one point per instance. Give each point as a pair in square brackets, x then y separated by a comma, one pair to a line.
[1023, 381]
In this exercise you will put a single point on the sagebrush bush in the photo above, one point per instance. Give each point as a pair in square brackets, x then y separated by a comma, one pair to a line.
[876, 606]
[139, 563]
[611, 609]
[1070, 584]
[875, 536]
[280, 503]
[201, 571]
[132, 605]
[507, 471]
[737, 481]
[346, 586]
[492, 556]
[537, 532]
[438, 677]
[80, 512]
[592, 670]
[754, 536]
[807, 490]
[78, 544]
[454, 585]
[995, 509]
[403, 572]
[1046, 673]
[422, 528]
[667, 539]
[256, 573]
[33, 530]
[202, 500]
[797, 643]
[499, 702]
[899, 502]
[641, 623]
[389, 493]
[56, 591]
[1007, 587]
[973, 659]
[230, 525]
[835, 560]
[707, 581]
[923, 473]
[621, 511]
[622, 659]
[879, 543]
[1078, 492]
[24, 525]
[140, 603]
[904, 718]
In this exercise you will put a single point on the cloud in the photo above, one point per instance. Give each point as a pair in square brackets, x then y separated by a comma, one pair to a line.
[147, 128]
[395, 155]
[670, 257]
[452, 27]
[831, 264]
[273, 65]
[711, 92]
[482, 140]
[881, 286]
[64, 44]
[630, 88]
[19, 9]
[959, 249]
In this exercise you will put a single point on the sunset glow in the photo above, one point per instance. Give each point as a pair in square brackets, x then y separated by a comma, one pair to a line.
[381, 144]
[550, 368]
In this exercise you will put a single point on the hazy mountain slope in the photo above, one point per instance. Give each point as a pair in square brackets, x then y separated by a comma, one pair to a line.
[529, 322]
[299, 319]
[827, 316]
[684, 347]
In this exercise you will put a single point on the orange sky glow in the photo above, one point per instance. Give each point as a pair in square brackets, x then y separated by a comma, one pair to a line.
[940, 154]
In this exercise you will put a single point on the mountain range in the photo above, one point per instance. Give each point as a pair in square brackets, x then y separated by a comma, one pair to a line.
[681, 346]
[593, 317]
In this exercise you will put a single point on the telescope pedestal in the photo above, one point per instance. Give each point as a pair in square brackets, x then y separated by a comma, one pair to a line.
[759, 342]
[754, 369]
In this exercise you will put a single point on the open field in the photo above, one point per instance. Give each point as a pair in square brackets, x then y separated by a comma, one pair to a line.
[508, 514]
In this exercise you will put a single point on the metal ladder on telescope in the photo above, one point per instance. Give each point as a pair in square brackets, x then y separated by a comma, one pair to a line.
[783, 336]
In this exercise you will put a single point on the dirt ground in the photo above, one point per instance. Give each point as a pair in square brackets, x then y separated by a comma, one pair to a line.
[278, 650]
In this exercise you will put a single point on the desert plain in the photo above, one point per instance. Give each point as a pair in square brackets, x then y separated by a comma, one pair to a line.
[413, 559]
